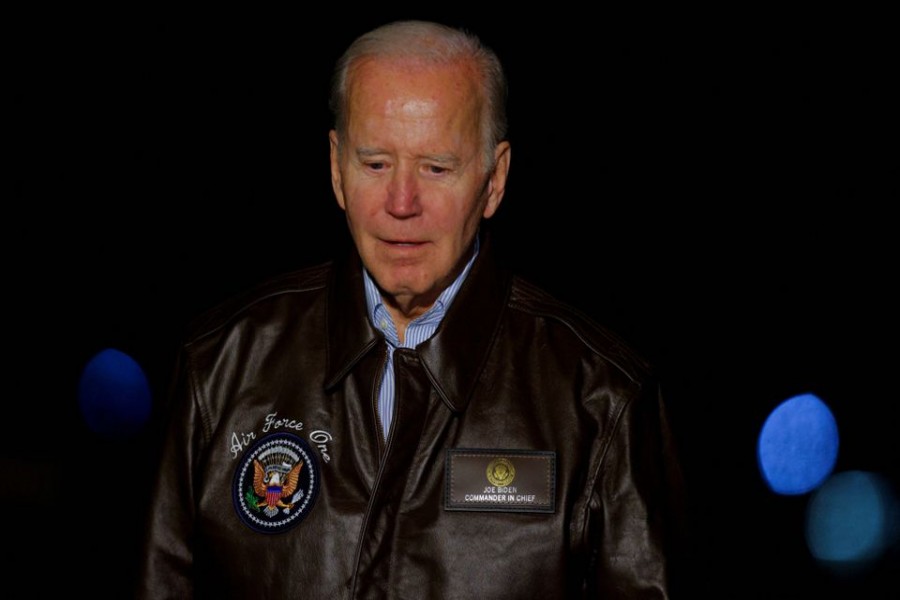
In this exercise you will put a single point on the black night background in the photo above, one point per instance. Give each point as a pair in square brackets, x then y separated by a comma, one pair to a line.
[717, 191]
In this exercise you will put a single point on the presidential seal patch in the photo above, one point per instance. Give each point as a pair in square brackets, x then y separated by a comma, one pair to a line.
[276, 483]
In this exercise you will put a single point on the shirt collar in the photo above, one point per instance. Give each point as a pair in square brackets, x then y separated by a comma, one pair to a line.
[454, 356]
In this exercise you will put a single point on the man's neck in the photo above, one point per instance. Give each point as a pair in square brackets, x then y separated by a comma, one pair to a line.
[405, 311]
[405, 308]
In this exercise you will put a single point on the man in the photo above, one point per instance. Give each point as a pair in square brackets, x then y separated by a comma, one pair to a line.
[413, 421]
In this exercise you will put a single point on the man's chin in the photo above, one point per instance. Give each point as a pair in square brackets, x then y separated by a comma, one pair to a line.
[399, 280]
[402, 292]
[407, 294]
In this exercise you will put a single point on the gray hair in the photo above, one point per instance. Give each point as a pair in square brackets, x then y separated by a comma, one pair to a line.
[436, 44]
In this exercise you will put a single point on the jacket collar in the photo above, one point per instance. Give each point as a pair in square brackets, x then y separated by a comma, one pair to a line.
[453, 357]
[350, 334]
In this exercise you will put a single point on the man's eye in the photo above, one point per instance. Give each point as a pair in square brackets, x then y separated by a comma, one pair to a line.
[436, 170]
[375, 166]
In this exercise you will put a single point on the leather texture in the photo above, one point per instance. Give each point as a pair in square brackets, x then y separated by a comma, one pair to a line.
[509, 368]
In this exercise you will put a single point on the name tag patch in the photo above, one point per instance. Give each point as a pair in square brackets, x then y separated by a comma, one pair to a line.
[500, 480]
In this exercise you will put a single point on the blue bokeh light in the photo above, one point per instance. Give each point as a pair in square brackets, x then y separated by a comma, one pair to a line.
[798, 445]
[851, 520]
[114, 395]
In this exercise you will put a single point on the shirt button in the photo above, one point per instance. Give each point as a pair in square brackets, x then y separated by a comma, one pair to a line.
[383, 324]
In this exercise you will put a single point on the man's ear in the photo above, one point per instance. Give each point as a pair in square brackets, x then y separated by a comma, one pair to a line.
[497, 181]
[335, 154]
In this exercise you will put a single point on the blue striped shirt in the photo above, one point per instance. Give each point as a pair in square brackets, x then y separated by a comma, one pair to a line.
[419, 329]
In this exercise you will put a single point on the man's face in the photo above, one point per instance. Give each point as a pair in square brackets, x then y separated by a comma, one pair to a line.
[410, 174]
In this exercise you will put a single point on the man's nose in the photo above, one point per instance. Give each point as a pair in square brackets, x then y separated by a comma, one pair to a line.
[403, 194]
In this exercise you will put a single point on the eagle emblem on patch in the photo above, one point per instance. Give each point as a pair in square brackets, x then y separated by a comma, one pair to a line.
[276, 483]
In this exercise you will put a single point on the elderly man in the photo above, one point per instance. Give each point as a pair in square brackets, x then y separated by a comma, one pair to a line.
[412, 421]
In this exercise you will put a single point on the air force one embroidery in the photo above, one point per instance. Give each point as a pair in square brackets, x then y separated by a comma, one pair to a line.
[276, 483]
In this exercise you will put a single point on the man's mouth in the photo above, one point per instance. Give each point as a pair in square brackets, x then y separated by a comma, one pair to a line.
[404, 243]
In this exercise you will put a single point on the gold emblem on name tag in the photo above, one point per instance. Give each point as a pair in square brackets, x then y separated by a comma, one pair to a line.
[500, 472]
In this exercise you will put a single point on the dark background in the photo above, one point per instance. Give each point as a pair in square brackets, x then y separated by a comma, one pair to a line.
[716, 188]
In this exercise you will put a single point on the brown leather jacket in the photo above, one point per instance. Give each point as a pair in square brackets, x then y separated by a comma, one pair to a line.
[529, 456]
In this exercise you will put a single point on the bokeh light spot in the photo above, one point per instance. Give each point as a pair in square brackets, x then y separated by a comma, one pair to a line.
[851, 520]
[798, 445]
[114, 395]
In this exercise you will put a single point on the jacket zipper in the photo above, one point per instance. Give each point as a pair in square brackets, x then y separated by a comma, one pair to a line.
[384, 446]
[376, 394]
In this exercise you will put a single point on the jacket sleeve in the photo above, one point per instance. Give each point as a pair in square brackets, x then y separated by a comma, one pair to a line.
[167, 557]
[637, 512]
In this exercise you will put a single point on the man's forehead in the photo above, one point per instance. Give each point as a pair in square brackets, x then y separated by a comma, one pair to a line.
[410, 107]
[393, 87]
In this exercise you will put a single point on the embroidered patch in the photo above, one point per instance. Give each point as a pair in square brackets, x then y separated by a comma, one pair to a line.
[500, 480]
[276, 483]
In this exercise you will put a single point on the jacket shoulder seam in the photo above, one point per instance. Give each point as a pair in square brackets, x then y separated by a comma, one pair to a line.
[531, 299]
[301, 281]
